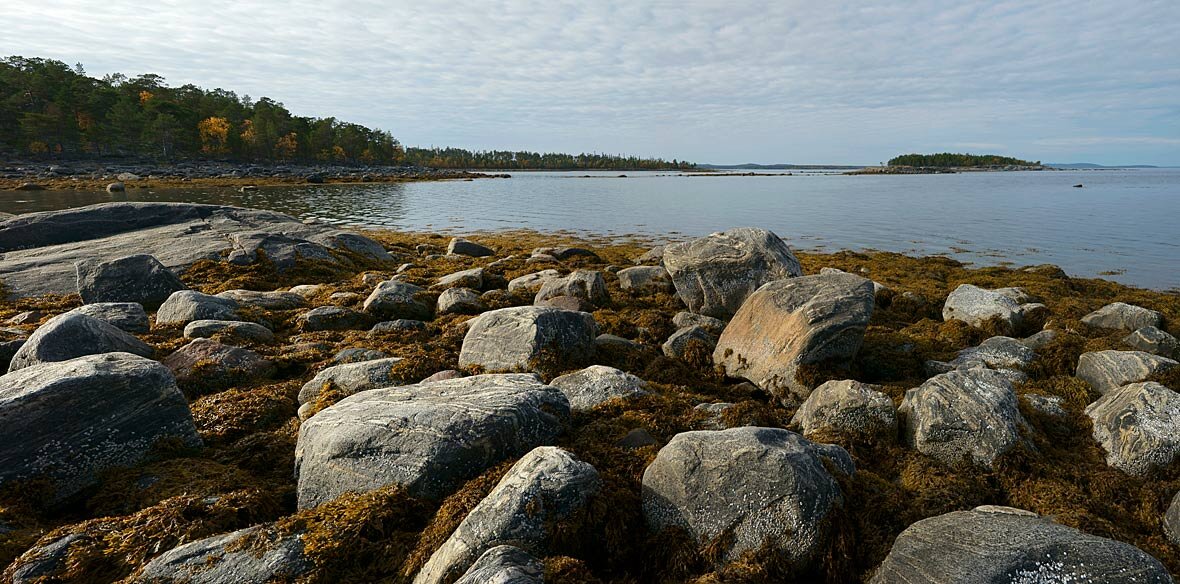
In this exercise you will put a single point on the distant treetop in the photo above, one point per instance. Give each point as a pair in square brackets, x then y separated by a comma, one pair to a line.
[950, 160]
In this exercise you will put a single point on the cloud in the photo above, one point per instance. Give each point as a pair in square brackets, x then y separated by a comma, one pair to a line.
[787, 81]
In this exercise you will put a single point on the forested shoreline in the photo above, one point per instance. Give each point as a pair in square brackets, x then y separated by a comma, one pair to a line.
[52, 111]
[954, 160]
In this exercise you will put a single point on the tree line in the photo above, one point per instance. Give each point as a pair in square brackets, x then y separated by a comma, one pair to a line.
[951, 160]
[51, 110]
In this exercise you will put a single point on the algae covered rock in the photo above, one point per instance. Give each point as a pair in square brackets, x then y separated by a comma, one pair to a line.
[794, 322]
[1106, 371]
[186, 306]
[459, 301]
[71, 335]
[714, 274]
[587, 285]
[392, 300]
[72, 419]
[690, 343]
[977, 306]
[351, 378]
[645, 280]
[967, 414]
[744, 489]
[1138, 425]
[847, 408]
[988, 545]
[597, 384]
[140, 278]
[521, 338]
[544, 487]
[205, 365]
[428, 437]
[249, 331]
[1123, 316]
[216, 560]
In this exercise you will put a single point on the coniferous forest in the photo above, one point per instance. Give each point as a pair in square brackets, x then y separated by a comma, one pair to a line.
[952, 160]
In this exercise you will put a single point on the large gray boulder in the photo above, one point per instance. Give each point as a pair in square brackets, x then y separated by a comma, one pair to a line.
[352, 378]
[186, 306]
[428, 437]
[794, 322]
[71, 335]
[598, 384]
[990, 545]
[217, 560]
[847, 409]
[1106, 371]
[393, 299]
[1123, 316]
[714, 274]
[544, 487]
[1138, 425]
[40, 249]
[137, 278]
[1153, 340]
[744, 489]
[459, 301]
[968, 414]
[526, 337]
[70, 420]
[472, 278]
[1004, 354]
[532, 283]
[585, 284]
[645, 280]
[460, 246]
[977, 306]
[504, 564]
[126, 316]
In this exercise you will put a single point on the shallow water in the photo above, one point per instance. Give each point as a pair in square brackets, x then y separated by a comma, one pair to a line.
[1123, 225]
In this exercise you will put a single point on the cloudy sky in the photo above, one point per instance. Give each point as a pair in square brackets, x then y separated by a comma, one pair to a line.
[708, 81]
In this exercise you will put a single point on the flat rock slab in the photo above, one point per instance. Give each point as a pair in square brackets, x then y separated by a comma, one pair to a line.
[40, 249]
[428, 437]
[999, 544]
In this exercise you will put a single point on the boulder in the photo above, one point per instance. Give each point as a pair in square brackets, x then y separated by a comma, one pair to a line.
[994, 353]
[44, 560]
[351, 378]
[977, 306]
[847, 409]
[137, 278]
[249, 331]
[72, 335]
[585, 284]
[266, 300]
[357, 355]
[70, 420]
[186, 306]
[1138, 425]
[714, 274]
[1039, 339]
[966, 413]
[459, 301]
[459, 246]
[206, 365]
[573, 303]
[1172, 520]
[428, 437]
[1122, 316]
[597, 384]
[544, 487]
[531, 283]
[472, 278]
[332, 318]
[395, 299]
[645, 280]
[743, 489]
[398, 326]
[1152, 340]
[714, 326]
[794, 322]
[126, 316]
[691, 343]
[1106, 371]
[989, 545]
[651, 257]
[504, 564]
[216, 560]
[564, 253]
[526, 337]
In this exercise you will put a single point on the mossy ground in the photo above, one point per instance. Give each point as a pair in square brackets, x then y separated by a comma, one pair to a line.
[243, 474]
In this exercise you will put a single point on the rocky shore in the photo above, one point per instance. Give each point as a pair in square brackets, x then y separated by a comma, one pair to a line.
[95, 175]
[200, 393]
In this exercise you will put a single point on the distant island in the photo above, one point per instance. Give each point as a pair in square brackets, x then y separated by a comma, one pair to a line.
[752, 166]
[949, 162]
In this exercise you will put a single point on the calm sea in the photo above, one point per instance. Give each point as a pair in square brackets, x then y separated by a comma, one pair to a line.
[1123, 224]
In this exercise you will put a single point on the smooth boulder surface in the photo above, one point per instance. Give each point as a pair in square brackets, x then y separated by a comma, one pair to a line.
[459, 246]
[214, 560]
[70, 420]
[584, 284]
[1138, 425]
[428, 437]
[1152, 340]
[39, 250]
[977, 306]
[472, 278]
[203, 329]
[521, 338]
[126, 316]
[352, 378]
[1106, 371]
[847, 408]
[459, 301]
[714, 274]
[71, 335]
[754, 486]
[544, 487]
[137, 278]
[504, 564]
[598, 384]
[794, 322]
[532, 283]
[1123, 316]
[186, 306]
[392, 300]
[990, 545]
[645, 280]
[967, 414]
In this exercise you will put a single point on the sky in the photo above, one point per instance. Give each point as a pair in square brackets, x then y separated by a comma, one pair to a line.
[707, 81]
